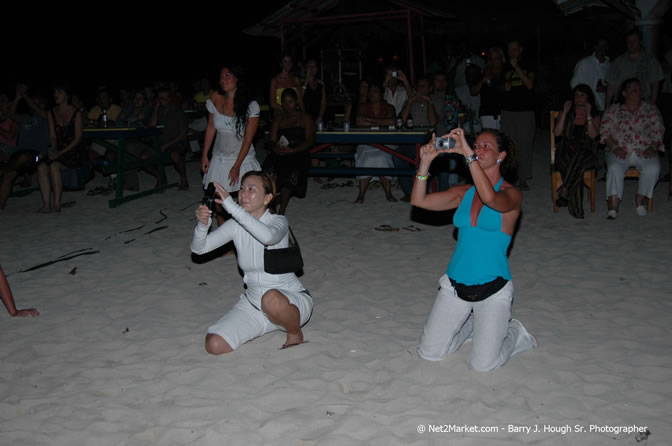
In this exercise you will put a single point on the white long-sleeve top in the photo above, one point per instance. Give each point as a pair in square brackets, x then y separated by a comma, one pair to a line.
[250, 235]
[589, 70]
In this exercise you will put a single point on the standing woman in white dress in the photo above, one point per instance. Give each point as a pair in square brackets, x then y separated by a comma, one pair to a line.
[232, 124]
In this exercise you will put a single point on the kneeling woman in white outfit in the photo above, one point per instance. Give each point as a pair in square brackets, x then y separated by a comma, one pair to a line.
[271, 301]
[476, 293]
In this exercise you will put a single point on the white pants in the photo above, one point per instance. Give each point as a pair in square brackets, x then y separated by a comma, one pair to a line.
[245, 322]
[453, 321]
[649, 169]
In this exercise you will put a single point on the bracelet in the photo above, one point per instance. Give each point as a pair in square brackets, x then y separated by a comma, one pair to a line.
[422, 177]
[470, 159]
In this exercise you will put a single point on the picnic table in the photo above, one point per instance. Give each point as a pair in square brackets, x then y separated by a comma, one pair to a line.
[115, 139]
[378, 138]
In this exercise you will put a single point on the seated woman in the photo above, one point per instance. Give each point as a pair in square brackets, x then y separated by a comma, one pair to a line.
[292, 135]
[270, 302]
[633, 133]
[375, 113]
[65, 134]
[475, 294]
[135, 114]
[579, 127]
[31, 144]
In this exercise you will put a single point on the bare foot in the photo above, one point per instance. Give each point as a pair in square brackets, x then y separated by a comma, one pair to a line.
[359, 200]
[293, 339]
[43, 210]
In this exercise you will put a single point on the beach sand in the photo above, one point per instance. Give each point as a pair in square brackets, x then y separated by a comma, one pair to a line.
[116, 356]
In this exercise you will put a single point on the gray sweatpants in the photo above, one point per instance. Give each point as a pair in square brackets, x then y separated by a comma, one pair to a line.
[453, 321]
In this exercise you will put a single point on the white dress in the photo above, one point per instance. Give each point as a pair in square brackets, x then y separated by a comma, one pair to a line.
[227, 147]
[369, 156]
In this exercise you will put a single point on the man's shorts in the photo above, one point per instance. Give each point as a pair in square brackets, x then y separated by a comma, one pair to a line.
[245, 322]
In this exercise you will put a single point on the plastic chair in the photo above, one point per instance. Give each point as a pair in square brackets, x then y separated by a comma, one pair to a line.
[589, 176]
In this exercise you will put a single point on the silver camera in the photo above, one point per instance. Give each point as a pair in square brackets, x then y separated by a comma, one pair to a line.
[441, 143]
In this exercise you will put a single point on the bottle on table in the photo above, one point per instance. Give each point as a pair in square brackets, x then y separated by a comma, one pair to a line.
[103, 119]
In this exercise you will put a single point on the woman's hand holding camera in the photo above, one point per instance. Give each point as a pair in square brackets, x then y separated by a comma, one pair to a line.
[203, 214]
[461, 145]
[430, 151]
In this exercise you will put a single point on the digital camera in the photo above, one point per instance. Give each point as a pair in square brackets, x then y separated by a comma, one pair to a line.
[209, 197]
[441, 143]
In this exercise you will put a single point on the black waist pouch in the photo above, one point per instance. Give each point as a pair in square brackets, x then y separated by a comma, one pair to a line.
[477, 293]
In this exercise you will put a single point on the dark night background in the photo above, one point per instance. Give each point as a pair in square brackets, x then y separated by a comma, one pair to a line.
[122, 45]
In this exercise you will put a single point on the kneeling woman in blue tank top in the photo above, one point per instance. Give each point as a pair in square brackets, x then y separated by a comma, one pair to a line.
[475, 295]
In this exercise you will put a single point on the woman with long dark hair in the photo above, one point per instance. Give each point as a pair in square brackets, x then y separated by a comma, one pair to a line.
[579, 127]
[65, 135]
[476, 292]
[232, 124]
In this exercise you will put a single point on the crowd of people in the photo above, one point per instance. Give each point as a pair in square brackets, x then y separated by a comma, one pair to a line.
[485, 106]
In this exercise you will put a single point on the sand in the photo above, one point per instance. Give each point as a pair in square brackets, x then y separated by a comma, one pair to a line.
[117, 358]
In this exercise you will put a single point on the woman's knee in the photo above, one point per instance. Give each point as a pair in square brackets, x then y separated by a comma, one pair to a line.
[651, 170]
[483, 364]
[216, 345]
[272, 301]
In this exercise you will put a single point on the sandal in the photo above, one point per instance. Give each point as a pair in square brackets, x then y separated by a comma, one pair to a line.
[97, 190]
[386, 228]
[412, 228]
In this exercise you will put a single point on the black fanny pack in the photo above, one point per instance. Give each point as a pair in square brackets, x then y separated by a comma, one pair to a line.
[477, 293]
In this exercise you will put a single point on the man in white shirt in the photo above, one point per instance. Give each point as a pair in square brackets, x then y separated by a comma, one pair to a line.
[396, 94]
[592, 70]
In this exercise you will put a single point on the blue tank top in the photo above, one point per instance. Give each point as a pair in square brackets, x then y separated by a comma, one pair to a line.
[480, 255]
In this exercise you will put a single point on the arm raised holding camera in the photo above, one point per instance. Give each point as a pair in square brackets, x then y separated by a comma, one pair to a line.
[437, 201]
